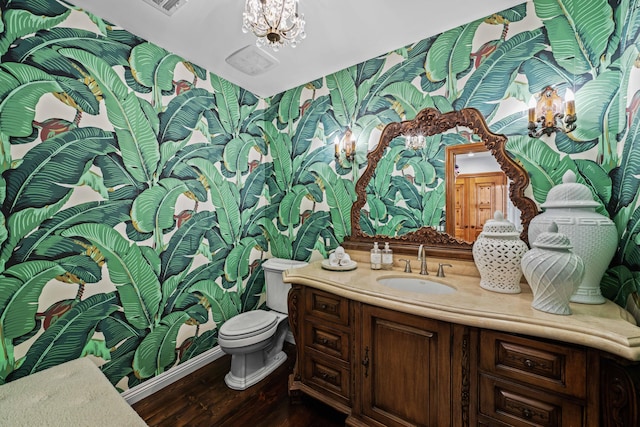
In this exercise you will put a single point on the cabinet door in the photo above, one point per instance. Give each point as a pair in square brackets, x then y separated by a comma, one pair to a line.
[477, 197]
[405, 369]
[461, 216]
[486, 195]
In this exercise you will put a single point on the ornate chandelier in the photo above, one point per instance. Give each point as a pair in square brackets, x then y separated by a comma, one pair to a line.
[276, 23]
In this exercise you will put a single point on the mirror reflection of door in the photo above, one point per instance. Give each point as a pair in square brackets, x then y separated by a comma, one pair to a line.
[476, 188]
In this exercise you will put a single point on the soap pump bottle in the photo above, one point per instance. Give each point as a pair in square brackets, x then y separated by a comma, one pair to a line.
[376, 257]
[387, 257]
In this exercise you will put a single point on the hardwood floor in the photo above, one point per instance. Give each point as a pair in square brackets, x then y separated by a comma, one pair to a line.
[203, 399]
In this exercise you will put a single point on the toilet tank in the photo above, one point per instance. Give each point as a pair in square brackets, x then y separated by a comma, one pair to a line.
[277, 290]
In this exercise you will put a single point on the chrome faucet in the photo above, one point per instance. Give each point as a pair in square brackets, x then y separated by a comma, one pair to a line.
[441, 270]
[407, 265]
[422, 257]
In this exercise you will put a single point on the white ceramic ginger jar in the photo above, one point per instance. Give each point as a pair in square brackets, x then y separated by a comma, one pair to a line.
[552, 271]
[594, 237]
[497, 253]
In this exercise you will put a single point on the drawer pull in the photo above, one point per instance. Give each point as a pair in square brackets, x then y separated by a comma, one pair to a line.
[527, 413]
[323, 306]
[327, 377]
[529, 363]
[365, 362]
[328, 343]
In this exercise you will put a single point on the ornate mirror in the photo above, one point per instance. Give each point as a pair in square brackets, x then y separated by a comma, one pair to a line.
[412, 193]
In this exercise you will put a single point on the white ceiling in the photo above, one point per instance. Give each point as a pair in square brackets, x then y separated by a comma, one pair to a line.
[340, 33]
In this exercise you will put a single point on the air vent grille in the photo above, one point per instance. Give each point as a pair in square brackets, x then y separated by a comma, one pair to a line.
[251, 60]
[169, 7]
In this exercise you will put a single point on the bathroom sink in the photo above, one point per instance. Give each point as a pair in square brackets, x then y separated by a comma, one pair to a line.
[416, 284]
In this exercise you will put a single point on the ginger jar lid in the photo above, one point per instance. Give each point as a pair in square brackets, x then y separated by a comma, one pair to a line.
[569, 194]
[499, 227]
[551, 239]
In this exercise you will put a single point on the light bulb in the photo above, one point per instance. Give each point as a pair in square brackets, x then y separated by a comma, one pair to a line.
[569, 102]
[532, 109]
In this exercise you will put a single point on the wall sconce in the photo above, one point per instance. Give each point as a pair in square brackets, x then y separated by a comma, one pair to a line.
[414, 142]
[549, 114]
[346, 145]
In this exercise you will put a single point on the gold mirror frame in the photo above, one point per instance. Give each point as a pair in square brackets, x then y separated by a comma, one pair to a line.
[431, 122]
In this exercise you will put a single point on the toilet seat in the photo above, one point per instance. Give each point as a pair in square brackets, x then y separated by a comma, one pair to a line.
[248, 328]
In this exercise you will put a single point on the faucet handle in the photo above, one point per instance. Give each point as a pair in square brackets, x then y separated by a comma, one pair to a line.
[407, 266]
[441, 270]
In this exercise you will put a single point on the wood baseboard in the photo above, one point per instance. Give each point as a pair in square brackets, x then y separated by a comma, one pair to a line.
[157, 383]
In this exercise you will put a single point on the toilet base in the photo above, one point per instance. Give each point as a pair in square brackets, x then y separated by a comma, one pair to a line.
[242, 383]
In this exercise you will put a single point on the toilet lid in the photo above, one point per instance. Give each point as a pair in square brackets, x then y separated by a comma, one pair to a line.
[248, 324]
[281, 264]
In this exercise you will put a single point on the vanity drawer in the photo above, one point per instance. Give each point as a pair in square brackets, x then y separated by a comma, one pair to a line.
[555, 367]
[517, 405]
[327, 306]
[326, 374]
[488, 422]
[327, 339]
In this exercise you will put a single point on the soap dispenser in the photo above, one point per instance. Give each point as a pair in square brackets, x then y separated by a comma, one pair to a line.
[387, 257]
[376, 257]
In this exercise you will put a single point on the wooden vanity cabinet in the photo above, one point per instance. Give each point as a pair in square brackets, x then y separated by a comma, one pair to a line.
[407, 387]
[324, 345]
[386, 368]
[381, 367]
[532, 382]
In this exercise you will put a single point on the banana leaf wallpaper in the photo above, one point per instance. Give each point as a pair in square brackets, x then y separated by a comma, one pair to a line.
[141, 193]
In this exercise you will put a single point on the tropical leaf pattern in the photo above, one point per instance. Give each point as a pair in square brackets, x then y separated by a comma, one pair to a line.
[140, 193]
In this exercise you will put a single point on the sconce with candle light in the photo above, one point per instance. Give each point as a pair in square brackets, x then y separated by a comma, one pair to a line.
[414, 142]
[346, 145]
[549, 114]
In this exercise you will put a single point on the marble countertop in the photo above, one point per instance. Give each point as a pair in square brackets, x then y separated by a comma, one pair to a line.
[605, 326]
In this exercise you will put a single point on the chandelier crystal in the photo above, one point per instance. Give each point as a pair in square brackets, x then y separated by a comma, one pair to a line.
[276, 23]
[415, 142]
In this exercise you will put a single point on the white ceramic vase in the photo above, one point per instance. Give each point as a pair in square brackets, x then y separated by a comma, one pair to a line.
[593, 236]
[552, 271]
[497, 253]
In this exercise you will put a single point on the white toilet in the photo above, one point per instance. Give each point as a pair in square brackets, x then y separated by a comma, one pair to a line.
[254, 339]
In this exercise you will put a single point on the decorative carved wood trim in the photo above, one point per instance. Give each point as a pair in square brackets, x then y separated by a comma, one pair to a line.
[430, 122]
[293, 304]
[466, 377]
[619, 397]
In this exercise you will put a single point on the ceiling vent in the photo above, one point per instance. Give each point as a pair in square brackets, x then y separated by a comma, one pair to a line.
[251, 60]
[169, 7]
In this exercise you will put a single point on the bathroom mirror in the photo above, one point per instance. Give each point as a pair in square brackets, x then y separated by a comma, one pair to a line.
[406, 196]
